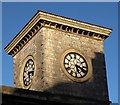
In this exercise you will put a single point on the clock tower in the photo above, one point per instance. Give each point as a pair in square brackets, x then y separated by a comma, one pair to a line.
[61, 56]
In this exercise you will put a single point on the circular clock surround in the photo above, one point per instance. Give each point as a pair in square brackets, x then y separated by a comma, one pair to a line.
[76, 65]
[27, 72]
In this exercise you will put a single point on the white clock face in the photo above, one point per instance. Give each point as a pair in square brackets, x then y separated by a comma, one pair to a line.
[28, 72]
[75, 65]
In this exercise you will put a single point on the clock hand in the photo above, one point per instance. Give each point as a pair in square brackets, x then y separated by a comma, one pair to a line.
[78, 67]
[84, 71]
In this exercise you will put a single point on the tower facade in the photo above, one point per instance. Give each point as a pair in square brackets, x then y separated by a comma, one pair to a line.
[61, 56]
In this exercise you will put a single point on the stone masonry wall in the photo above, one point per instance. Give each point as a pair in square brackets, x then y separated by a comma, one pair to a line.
[33, 48]
[56, 81]
[46, 47]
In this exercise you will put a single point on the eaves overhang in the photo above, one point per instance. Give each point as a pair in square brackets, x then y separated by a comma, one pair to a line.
[44, 19]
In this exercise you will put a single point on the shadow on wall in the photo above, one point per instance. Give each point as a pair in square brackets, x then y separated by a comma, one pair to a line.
[92, 92]
[94, 89]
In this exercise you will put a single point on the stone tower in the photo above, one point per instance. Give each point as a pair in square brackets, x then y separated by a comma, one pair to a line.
[61, 56]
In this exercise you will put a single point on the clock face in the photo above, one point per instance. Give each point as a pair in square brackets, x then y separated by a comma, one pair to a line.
[75, 65]
[28, 73]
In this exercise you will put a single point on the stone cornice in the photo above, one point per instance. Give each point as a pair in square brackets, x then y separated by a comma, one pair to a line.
[22, 33]
[43, 19]
[75, 23]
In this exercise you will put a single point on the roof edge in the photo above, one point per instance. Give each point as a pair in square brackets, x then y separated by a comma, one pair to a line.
[40, 11]
[56, 19]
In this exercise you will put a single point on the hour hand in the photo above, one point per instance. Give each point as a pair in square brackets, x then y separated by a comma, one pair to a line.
[77, 67]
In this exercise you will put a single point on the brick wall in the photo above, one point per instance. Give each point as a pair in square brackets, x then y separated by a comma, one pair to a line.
[46, 47]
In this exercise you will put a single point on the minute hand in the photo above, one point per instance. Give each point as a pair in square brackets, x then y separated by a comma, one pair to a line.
[84, 71]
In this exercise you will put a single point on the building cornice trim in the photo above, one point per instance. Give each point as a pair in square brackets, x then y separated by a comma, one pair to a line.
[75, 24]
[43, 19]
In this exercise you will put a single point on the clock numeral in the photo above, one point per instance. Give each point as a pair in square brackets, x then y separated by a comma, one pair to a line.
[77, 57]
[85, 67]
[82, 73]
[81, 60]
[78, 75]
[66, 61]
[69, 71]
[66, 65]
[72, 56]
[74, 74]
[84, 64]
[68, 57]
